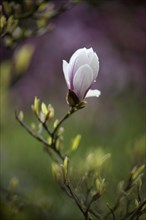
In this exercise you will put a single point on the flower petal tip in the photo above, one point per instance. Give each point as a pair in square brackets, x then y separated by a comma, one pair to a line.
[93, 93]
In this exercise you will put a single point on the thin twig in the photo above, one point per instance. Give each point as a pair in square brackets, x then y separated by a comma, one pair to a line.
[43, 124]
[95, 214]
[24, 125]
[74, 197]
[138, 210]
[38, 137]
[111, 211]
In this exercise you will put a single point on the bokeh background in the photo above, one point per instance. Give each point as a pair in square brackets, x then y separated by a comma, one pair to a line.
[114, 123]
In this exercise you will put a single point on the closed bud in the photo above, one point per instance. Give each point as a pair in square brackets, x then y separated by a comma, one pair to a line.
[65, 166]
[35, 106]
[80, 74]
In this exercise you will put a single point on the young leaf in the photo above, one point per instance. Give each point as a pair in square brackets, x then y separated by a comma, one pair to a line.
[44, 108]
[35, 106]
[65, 166]
[58, 144]
[49, 140]
[51, 111]
[75, 142]
[100, 184]
[137, 172]
[57, 172]
[21, 115]
[56, 123]
[33, 127]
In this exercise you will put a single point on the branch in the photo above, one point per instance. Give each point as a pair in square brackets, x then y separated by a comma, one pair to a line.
[74, 197]
[24, 125]
[39, 138]
[137, 213]
[43, 124]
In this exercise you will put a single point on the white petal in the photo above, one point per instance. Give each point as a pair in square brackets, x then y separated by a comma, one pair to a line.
[93, 93]
[82, 81]
[78, 59]
[66, 73]
[94, 63]
[89, 51]
[76, 53]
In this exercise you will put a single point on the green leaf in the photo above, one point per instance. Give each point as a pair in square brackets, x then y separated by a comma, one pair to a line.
[44, 108]
[49, 140]
[58, 144]
[57, 172]
[21, 115]
[136, 203]
[3, 22]
[137, 171]
[7, 7]
[36, 105]
[33, 127]
[51, 111]
[100, 184]
[75, 142]
[56, 123]
[65, 166]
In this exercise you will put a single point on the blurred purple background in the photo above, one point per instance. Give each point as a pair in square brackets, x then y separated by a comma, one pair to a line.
[114, 30]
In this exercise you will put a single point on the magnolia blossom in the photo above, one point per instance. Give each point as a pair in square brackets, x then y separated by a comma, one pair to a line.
[81, 73]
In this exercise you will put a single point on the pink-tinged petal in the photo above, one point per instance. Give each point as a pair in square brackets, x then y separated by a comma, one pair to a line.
[66, 73]
[82, 81]
[93, 93]
[78, 59]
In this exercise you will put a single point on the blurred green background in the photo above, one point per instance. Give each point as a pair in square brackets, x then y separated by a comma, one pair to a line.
[114, 123]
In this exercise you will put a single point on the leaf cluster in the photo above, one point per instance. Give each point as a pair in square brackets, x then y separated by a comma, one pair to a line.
[89, 187]
[26, 18]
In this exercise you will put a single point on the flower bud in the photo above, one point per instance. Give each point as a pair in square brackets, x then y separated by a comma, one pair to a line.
[80, 74]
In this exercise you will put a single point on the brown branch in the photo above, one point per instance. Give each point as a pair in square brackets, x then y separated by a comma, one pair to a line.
[74, 197]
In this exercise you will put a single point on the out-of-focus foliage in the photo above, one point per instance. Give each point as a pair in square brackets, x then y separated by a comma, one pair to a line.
[5, 75]
[13, 13]
[96, 169]
[86, 186]
[17, 65]
[22, 58]
[139, 149]
[22, 19]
